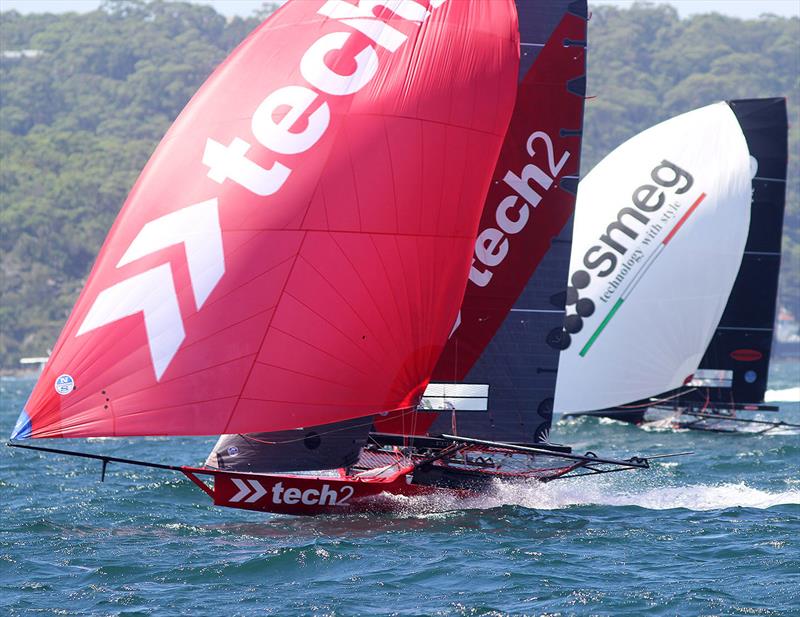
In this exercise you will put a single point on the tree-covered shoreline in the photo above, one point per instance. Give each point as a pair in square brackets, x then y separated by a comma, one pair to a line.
[85, 98]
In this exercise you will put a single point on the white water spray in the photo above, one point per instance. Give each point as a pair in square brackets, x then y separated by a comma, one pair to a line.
[784, 395]
[575, 493]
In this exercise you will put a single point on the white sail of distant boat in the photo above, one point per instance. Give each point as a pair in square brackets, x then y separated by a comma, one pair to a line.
[660, 229]
[677, 289]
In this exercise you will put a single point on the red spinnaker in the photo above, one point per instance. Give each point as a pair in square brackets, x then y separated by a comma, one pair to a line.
[296, 249]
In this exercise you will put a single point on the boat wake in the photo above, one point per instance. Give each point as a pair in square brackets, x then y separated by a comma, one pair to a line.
[784, 395]
[561, 495]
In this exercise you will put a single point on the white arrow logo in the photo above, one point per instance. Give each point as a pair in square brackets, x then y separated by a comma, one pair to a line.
[153, 292]
[244, 491]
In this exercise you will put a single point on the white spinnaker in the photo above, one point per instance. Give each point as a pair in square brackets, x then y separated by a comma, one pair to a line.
[654, 319]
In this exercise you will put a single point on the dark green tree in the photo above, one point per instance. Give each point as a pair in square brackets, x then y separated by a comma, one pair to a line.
[81, 113]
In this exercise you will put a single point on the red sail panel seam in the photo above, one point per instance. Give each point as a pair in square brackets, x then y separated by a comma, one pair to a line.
[326, 320]
[468, 129]
[266, 332]
[382, 233]
[391, 173]
[386, 274]
[304, 374]
[327, 353]
[376, 304]
[345, 300]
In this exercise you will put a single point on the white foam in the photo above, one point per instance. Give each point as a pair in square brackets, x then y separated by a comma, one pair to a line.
[691, 497]
[595, 491]
[784, 395]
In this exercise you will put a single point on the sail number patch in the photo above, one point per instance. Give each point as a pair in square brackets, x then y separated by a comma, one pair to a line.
[64, 384]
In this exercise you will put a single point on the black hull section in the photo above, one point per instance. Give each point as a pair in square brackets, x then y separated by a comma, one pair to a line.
[447, 477]
[631, 417]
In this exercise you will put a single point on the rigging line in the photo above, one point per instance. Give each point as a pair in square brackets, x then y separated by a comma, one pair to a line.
[658, 401]
[455, 360]
[100, 457]
[713, 416]
[708, 398]
[744, 329]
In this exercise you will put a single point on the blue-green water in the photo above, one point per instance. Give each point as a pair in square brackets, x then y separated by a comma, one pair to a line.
[717, 533]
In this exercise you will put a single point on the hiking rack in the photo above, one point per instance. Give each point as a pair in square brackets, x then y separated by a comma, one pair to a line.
[587, 464]
[701, 416]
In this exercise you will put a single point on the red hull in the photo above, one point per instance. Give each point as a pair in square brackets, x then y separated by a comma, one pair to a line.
[311, 495]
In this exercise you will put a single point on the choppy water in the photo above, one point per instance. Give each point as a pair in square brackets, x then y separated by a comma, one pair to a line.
[717, 533]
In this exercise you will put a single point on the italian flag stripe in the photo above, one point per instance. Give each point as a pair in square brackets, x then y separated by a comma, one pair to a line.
[597, 332]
